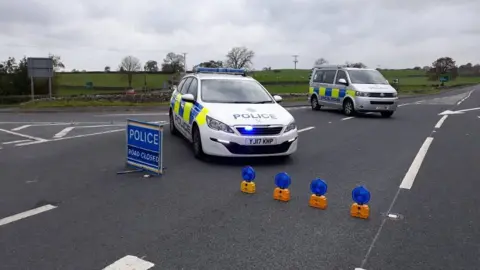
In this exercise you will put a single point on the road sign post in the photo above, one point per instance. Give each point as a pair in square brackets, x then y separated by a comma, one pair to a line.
[40, 68]
[145, 146]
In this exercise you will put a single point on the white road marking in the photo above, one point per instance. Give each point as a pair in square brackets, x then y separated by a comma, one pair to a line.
[130, 262]
[405, 104]
[21, 127]
[63, 132]
[407, 181]
[116, 125]
[29, 213]
[347, 118]
[130, 114]
[465, 98]
[440, 122]
[305, 129]
[72, 137]
[17, 141]
[22, 135]
[359, 268]
[392, 216]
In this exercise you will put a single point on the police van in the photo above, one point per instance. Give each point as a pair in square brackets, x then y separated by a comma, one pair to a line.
[351, 90]
[223, 112]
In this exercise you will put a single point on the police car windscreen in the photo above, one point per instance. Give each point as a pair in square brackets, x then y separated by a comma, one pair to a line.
[233, 91]
[366, 77]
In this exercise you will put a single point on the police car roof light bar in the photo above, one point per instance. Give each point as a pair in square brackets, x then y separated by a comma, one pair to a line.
[232, 71]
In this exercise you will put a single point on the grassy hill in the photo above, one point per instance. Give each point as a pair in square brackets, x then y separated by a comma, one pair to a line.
[276, 81]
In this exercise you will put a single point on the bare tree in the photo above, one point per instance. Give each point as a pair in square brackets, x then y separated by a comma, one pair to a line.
[321, 61]
[173, 63]
[239, 57]
[441, 67]
[57, 62]
[151, 66]
[130, 65]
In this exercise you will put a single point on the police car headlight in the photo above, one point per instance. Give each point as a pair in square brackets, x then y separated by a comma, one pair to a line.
[291, 126]
[362, 94]
[217, 125]
[395, 94]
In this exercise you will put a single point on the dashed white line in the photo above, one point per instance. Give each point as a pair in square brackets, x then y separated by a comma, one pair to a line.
[407, 181]
[22, 135]
[21, 127]
[29, 213]
[130, 262]
[63, 132]
[17, 141]
[465, 98]
[440, 122]
[305, 129]
[347, 118]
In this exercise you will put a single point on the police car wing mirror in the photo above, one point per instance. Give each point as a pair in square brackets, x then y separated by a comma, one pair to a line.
[188, 98]
[342, 81]
[278, 98]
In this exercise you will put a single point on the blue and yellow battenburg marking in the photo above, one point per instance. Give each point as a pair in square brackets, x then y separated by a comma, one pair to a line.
[189, 111]
[333, 94]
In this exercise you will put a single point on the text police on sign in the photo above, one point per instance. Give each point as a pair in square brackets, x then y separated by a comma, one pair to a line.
[144, 145]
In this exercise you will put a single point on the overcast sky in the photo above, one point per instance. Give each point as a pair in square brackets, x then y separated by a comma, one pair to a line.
[90, 34]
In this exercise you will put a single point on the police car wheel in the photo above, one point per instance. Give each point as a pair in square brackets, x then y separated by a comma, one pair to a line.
[173, 129]
[348, 108]
[386, 114]
[314, 103]
[197, 143]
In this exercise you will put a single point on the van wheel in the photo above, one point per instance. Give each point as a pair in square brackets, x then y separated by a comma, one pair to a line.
[387, 114]
[314, 103]
[173, 129]
[197, 143]
[348, 108]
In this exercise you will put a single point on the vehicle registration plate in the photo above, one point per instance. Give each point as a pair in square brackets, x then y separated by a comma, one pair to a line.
[383, 107]
[260, 141]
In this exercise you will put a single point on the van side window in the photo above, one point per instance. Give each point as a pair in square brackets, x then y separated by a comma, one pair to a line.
[329, 76]
[341, 75]
[318, 77]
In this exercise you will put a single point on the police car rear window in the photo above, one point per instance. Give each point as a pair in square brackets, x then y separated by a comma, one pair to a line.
[233, 91]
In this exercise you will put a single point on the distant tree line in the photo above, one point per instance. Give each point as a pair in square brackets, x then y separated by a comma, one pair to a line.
[14, 79]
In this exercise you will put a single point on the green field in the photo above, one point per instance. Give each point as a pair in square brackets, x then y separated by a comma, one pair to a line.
[276, 81]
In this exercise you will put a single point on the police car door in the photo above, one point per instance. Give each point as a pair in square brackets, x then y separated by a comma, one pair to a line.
[187, 109]
[179, 114]
[329, 93]
[342, 88]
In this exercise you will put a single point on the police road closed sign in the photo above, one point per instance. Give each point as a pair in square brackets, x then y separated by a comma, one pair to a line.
[144, 145]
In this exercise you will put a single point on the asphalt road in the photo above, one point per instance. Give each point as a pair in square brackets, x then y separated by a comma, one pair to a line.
[195, 217]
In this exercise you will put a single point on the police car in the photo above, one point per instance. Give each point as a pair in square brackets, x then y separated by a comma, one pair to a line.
[351, 90]
[222, 112]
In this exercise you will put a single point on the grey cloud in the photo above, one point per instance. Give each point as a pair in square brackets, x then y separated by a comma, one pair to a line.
[386, 32]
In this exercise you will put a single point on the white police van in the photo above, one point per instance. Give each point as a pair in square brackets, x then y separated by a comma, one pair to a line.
[352, 90]
[222, 112]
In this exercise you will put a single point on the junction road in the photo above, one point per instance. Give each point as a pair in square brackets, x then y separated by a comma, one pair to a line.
[63, 205]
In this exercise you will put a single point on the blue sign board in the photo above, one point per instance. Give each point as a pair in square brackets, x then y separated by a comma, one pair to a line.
[144, 145]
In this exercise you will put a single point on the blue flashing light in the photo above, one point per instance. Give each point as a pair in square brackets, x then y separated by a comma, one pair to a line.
[248, 128]
[360, 195]
[283, 180]
[248, 174]
[235, 71]
[318, 187]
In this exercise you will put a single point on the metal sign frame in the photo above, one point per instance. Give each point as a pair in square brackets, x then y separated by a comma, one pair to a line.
[137, 146]
[40, 67]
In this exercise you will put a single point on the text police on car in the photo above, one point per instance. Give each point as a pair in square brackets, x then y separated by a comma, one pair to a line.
[225, 113]
[352, 90]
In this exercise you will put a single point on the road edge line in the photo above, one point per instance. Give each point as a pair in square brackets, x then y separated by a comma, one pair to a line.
[412, 172]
